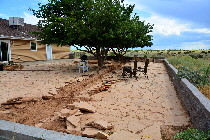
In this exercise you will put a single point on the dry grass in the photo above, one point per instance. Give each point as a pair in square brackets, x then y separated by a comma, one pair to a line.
[205, 90]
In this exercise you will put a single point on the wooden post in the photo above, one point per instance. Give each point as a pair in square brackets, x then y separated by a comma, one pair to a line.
[147, 62]
[135, 66]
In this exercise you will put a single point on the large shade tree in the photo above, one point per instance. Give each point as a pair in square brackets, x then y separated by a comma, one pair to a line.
[97, 25]
[133, 33]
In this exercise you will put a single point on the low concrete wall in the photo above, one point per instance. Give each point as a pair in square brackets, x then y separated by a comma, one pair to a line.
[194, 102]
[16, 131]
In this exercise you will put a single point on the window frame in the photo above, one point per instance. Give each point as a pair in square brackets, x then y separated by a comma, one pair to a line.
[35, 42]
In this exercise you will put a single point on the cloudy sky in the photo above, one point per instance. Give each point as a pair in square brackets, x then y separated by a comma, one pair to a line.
[178, 24]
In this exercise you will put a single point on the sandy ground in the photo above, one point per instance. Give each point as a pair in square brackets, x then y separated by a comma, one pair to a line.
[138, 107]
[38, 78]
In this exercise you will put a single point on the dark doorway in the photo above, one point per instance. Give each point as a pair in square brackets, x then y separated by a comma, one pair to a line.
[4, 55]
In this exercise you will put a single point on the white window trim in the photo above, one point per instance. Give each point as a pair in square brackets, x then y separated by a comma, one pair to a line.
[36, 45]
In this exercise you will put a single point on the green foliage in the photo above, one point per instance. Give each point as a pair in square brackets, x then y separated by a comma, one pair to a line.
[193, 134]
[134, 33]
[169, 53]
[196, 77]
[197, 71]
[97, 25]
[111, 54]
[200, 56]
[188, 61]
[193, 56]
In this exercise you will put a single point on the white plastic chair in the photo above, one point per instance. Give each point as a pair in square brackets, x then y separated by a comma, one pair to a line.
[83, 65]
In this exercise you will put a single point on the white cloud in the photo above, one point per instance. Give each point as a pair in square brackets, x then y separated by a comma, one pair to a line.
[194, 45]
[137, 3]
[45, 1]
[2, 14]
[30, 19]
[162, 25]
[204, 30]
[166, 26]
[34, 4]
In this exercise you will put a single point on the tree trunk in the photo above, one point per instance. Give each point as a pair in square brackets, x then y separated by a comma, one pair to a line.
[101, 61]
[119, 54]
[120, 58]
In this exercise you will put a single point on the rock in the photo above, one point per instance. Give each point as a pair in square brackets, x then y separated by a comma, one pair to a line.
[78, 113]
[73, 132]
[20, 106]
[85, 106]
[73, 120]
[7, 106]
[59, 115]
[95, 91]
[90, 132]
[65, 112]
[113, 81]
[107, 85]
[72, 112]
[38, 125]
[70, 128]
[124, 135]
[70, 106]
[28, 99]
[48, 97]
[9, 102]
[101, 88]
[102, 135]
[51, 93]
[5, 112]
[100, 125]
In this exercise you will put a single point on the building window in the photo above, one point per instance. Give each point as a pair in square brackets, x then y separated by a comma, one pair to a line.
[33, 46]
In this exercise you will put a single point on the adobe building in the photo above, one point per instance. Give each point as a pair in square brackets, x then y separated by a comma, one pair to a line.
[18, 44]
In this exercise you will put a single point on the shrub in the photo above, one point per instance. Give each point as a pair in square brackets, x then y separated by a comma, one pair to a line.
[193, 134]
[200, 56]
[196, 77]
[197, 71]
[193, 56]
[188, 61]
